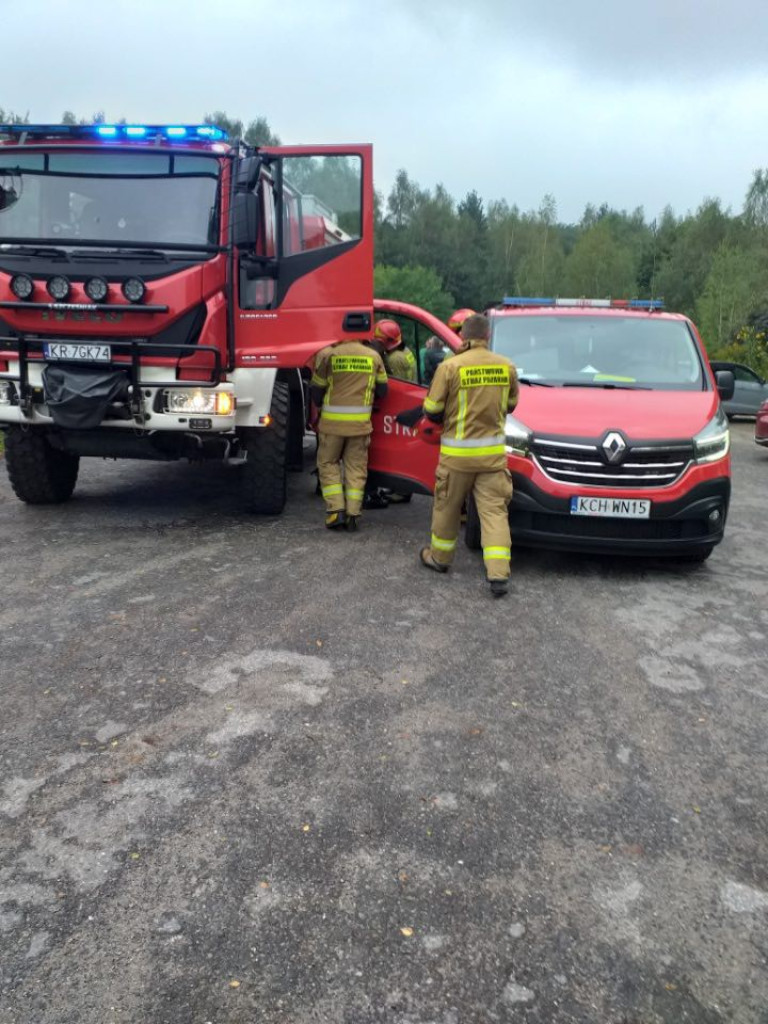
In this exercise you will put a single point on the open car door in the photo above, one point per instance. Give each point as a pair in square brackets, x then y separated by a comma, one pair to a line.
[401, 457]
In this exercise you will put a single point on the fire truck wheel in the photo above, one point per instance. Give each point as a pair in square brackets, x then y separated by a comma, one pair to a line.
[264, 477]
[39, 474]
[472, 527]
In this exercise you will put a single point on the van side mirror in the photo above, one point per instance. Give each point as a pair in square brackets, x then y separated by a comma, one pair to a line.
[245, 220]
[726, 384]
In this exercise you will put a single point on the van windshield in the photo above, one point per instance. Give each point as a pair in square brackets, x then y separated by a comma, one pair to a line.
[606, 350]
[112, 197]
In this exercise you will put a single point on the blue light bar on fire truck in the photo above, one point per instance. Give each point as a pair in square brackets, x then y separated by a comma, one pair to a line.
[137, 132]
[524, 300]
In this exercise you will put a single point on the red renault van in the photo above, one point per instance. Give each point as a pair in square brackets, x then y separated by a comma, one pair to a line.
[618, 443]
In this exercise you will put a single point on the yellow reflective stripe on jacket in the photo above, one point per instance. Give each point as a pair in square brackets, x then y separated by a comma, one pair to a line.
[461, 424]
[318, 381]
[475, 442]
[431, 406]
[332, 489]
[491, 553]
[347, 413]
[471, 453]
[441, 544]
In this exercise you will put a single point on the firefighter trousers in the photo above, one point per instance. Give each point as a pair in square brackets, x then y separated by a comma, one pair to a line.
[492, 492]
[332, 450]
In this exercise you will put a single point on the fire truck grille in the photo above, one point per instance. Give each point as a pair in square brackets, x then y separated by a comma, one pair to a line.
[587, 465]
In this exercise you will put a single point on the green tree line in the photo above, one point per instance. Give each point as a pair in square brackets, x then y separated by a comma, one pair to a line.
[441, 253]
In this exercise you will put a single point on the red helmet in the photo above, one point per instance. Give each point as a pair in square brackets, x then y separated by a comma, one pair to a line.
[388, 333]
[458, 318]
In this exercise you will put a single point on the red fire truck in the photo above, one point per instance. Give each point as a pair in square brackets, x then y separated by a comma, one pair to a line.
[163, 293]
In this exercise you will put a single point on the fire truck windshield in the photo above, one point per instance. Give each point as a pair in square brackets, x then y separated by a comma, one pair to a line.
[159, 200]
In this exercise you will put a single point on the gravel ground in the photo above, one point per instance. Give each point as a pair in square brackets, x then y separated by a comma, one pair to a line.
[252, 773]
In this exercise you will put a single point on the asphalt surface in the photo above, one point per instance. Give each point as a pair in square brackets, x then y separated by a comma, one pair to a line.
[252, 772]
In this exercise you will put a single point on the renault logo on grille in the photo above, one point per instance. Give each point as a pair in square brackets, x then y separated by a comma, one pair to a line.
[614, 446]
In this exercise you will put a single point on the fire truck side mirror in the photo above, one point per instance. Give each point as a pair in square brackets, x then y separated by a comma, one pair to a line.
[245, 221]
[248, 173]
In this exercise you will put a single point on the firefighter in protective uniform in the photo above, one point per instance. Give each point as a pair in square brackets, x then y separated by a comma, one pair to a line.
[347, 377]
[399, 359]
[471, 395]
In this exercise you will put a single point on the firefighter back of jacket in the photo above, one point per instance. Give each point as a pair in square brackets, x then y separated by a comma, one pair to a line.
[474, 390]
[349, 372]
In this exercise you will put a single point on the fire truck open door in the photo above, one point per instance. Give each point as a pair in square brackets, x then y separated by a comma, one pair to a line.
[304, 263]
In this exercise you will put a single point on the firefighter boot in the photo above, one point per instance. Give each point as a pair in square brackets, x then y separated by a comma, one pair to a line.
[499, 588]
[352, 523]
[336, 520]
[428, 561]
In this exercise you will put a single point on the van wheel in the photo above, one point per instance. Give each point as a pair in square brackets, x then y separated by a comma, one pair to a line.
[39, 474]
[264, 475]
[697, 556]
[472, 535]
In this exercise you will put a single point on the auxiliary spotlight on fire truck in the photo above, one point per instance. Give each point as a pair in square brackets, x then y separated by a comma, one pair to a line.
[163, 293]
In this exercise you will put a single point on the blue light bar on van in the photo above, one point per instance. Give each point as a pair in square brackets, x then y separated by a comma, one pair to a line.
[134, 132]
[522, 300]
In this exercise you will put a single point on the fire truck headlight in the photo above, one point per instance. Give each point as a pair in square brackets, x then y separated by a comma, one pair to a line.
[713, 442]
[97, 289]
[200, 402]
[22, 286]
[134, 289]
[517, 436]
[58, 288]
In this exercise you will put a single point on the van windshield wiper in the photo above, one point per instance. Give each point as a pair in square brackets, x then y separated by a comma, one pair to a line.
[609, 384]
[537, 383]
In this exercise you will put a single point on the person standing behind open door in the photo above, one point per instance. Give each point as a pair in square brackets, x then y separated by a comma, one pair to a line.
[346, 379]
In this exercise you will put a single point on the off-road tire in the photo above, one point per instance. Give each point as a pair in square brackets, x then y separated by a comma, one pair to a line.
[472, 535]
[39, 473]
[264, 475]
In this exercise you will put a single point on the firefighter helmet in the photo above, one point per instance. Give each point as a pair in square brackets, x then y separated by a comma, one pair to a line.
[458, 318]
[388, 333]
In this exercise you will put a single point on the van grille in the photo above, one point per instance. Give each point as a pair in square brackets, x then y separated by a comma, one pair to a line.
[587, 465]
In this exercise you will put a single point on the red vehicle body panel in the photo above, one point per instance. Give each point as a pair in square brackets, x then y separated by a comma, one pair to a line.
[761, 425]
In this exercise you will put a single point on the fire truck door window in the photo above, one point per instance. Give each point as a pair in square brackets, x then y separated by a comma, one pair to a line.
[257, 289]
[322, 202]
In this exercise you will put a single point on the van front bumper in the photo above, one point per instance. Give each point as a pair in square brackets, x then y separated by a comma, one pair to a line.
[691, 522]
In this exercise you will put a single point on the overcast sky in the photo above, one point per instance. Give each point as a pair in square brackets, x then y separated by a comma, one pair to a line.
[630, 103]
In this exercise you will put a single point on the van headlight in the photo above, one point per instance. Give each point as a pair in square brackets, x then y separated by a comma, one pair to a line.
[517, 437]
[714, 441]
[200, 401]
